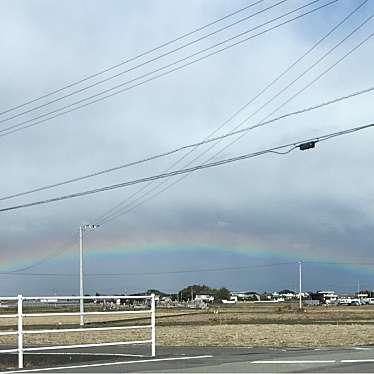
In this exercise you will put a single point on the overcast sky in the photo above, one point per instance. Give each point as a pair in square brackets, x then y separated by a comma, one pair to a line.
[316, 205]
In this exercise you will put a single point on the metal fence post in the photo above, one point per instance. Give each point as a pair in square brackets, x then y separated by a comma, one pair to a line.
[20, 332]
[153, 324]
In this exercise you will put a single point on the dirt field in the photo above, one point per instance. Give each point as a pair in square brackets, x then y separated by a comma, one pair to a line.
[238, 325]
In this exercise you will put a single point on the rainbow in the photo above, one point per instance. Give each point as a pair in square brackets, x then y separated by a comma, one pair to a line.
[220, 241]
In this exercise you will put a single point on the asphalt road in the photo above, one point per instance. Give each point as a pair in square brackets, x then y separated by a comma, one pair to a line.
[213, 360]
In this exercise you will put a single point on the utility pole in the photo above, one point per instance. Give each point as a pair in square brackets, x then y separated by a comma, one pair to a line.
[81, 294]
[82, 228]
[358, 291]
[300, 298]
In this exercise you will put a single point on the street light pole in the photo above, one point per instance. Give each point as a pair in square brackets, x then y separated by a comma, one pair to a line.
[82, 228]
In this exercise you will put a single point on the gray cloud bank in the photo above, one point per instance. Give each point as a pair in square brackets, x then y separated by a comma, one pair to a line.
[315, 204]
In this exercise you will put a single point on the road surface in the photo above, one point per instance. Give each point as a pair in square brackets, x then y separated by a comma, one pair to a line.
[211, 360]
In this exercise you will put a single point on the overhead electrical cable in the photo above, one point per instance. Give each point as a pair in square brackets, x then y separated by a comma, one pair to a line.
[183, 271]
[339, 263]
[154, 71]
[274, 151]
[312, 66]
[70, 107]
[209, 137]
[121, 209]
[125, 204]
[268, 86]
[200, 270]
[186, 147]
[168, 53]
[63, 248]
[59, 251]
[230, 160]
[53, 254]
[101, 72]
[263, 121]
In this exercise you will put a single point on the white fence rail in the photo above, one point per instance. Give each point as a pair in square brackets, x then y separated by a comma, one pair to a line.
[21, 332]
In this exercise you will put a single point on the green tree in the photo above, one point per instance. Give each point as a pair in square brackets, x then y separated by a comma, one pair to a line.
[197, 289]
[222, 294]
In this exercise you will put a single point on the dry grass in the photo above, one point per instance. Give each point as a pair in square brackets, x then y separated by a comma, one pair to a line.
[269, 335]
[253, 314]
[241, 325]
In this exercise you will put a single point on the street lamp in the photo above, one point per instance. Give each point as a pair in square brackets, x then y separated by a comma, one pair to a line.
[82, 228]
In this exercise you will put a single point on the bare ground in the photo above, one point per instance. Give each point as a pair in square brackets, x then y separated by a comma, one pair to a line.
[265, 326]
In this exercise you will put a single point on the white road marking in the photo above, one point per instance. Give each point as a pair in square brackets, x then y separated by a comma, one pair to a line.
[108, 364]
[362, 348]
[294, 362]
[363, 360]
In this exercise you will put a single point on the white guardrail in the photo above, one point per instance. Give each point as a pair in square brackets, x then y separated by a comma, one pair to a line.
[21, 315]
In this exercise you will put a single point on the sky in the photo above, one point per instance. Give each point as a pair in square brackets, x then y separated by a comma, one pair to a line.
[260, 216]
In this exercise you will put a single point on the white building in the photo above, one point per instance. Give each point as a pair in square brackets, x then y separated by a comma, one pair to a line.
[204, 298]
[304, 295]
[288, 295]
[242, 296]
[329, 297]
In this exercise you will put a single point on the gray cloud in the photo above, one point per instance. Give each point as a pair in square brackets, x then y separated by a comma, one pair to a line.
[315, 204]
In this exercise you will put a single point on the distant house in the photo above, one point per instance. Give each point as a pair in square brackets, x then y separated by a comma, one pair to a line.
[238, 294]
[244, 296]
[325, 297]
[205, 298]
[345, 300]
[275, 296]
[233, 300]
[287, 295]
[304, 295]
[362, 295]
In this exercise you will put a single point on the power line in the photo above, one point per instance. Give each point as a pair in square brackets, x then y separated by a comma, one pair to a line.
[70, 107]
[119, 209]
[123, 206]
[293, 145]
[318, 42]
[149, 273]
[144, 198]
[339, 263]
[193, 145]
[263, 121]
[362, 4]
[269, 85]
[197, 270]
[316, 79]
[83, 89]
[136, 78]
[57, 252]
[75, 83]
[51, 255]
